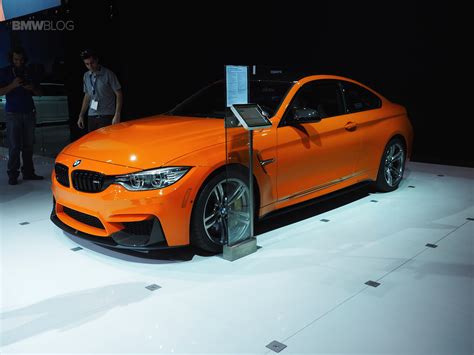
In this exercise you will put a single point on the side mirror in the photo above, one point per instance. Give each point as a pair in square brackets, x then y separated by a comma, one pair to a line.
[306, 115]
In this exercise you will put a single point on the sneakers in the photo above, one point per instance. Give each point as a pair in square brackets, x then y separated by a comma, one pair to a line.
[32, 177]
[12, 181]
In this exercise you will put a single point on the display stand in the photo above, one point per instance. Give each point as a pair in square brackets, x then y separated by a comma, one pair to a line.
[251, 118]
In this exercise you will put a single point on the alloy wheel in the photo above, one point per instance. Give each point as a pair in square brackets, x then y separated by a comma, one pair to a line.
[394, 164]
[227, 211]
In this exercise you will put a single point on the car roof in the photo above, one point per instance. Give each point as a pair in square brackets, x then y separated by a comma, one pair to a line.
[293, 77]
[285, 77]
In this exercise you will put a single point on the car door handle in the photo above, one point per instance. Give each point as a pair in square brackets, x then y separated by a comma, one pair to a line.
[350, 126]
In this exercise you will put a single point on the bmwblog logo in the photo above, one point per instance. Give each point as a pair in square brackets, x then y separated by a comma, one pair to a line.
[31, 25]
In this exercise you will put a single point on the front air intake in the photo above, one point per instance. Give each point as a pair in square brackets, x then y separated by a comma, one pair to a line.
[83, 218]
[62, 174]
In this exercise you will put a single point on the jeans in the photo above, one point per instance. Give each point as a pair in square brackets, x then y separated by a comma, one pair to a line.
[99, 121]
[21, 136]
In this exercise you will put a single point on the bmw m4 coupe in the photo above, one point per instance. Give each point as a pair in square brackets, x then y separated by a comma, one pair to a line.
[165, 181]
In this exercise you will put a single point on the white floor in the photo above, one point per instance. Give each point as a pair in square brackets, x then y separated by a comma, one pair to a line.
[305, 287]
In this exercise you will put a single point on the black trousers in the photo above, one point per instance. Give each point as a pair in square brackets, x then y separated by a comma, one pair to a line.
[21, 137]
[99, 121]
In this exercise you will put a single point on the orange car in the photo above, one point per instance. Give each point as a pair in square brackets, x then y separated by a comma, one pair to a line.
[166, 181]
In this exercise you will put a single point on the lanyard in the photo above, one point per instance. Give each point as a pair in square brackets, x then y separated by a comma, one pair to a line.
[93, 83]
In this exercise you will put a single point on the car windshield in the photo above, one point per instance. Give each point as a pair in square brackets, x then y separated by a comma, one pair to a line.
[210, 101]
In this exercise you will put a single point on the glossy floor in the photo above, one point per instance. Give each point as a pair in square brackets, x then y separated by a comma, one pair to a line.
[305, 287]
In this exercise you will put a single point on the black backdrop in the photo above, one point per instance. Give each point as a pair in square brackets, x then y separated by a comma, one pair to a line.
[407, 51]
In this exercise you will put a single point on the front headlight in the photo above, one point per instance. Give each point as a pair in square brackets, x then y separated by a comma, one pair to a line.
[151, 179]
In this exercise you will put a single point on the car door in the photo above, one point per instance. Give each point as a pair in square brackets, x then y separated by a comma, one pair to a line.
[314, 156]
[362, 107]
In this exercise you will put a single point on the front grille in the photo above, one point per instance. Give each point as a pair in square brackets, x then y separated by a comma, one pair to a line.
[83, 218]
[87, 181]
[138, 228]
[62, 174]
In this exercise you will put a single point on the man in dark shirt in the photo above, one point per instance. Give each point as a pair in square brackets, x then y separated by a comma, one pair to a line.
[19, 87]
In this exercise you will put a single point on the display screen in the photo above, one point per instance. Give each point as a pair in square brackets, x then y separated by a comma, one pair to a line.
[251, 115]
[16, 8]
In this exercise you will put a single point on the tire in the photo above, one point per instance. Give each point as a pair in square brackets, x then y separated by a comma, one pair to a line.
[225, 194]
[392, 166]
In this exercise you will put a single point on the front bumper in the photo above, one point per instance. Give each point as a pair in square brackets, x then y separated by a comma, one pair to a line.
[121, 239]
[104, 217]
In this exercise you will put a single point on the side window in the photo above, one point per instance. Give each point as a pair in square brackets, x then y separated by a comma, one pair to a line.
[359, 99]
[324, 96]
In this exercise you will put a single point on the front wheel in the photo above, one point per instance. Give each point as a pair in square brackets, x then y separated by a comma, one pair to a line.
[392, 166]
[223, 206]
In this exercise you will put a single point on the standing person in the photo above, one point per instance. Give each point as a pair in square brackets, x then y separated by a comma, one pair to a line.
[102, 94]
[19, 87]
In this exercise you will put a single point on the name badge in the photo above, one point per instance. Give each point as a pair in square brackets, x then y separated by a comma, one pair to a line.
[94, 104]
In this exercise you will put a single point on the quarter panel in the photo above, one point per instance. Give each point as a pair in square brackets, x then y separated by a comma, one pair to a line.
[378, 127]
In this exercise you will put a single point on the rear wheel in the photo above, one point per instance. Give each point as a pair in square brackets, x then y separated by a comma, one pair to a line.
[392, 166]
[224, 199]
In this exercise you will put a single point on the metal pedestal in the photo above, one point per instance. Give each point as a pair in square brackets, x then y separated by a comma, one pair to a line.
[249, 245]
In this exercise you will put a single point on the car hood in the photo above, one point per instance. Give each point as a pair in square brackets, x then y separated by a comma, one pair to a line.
[149, 142]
